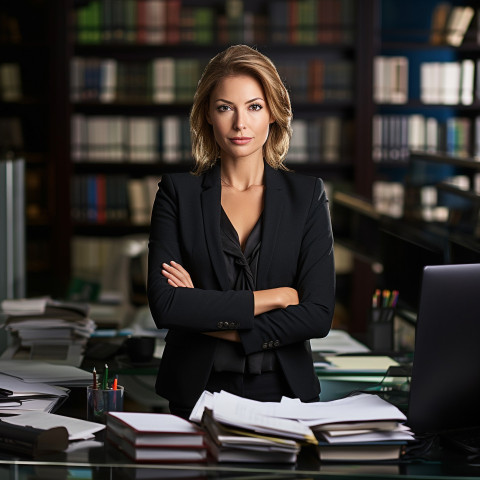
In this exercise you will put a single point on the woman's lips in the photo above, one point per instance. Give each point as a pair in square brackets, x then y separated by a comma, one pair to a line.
[240, 140]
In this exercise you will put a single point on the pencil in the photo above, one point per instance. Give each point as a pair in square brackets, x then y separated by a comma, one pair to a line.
[105, 378]
[94, 384]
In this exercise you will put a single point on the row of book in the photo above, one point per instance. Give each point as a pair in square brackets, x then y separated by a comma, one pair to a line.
[173, 80]
[228, 428]
[297, 22]
[109, 199]
[130, 139]
[388, 198]
[442, 83]
[450, 23]
[167, 139]
[449, 83]
[394, 136]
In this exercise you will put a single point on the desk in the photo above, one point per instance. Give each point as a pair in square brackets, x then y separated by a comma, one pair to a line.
[94, 460]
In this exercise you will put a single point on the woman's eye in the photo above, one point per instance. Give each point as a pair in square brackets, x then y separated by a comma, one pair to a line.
[256, 106]
[223, 108]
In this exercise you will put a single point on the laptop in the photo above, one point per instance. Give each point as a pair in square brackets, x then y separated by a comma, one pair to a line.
[445, 386]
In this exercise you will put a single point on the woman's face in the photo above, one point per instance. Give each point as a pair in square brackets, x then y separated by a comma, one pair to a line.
[240, 117]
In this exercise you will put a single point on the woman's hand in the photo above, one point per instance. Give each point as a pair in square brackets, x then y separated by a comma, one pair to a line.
[266, 300]
[176, 275]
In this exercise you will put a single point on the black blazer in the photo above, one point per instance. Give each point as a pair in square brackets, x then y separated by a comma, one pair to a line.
[296, 251]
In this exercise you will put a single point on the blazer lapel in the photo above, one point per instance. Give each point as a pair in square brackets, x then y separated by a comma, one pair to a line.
[211, 209]
[272, 214]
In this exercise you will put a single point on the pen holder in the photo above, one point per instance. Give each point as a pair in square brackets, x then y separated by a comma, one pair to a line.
[100, 401]
[380, 328]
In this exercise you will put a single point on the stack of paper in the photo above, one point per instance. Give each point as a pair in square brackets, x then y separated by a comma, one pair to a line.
[241, 430]
[228, 443]
[48, 328]
[151, 437]
[360, 427]
[18, 396]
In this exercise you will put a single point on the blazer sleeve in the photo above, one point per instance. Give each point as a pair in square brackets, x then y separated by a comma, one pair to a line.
[315, 283]
[193, 309]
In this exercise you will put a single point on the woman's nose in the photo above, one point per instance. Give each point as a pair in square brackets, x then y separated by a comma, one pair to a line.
[239, 123]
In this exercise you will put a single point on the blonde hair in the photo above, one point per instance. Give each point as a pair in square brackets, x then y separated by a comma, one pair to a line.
[235, 60]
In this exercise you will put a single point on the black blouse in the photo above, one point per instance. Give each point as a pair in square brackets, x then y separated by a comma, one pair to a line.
[242, 274]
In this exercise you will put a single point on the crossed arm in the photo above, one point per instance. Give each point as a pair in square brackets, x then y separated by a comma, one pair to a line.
[264, 300]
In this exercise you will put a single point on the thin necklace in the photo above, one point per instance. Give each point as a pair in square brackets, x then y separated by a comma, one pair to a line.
[238, 189]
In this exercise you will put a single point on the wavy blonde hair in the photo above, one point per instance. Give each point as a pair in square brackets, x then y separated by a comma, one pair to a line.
[244, 60]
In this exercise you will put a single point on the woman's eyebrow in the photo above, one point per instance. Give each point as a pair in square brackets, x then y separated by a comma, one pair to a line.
[231, 103]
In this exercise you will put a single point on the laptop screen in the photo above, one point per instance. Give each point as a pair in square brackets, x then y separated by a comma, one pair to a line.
[445, 385]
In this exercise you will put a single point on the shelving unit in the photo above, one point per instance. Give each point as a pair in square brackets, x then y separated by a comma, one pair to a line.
[323, 73]
[29, 38]
[390, 252]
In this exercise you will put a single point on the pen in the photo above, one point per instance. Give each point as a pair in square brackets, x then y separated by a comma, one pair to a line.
[5, 393]
[94, 384]
[105, 378]
[386, 298]
[394, 299]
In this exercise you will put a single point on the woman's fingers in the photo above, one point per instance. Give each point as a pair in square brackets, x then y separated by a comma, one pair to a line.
[176, 275]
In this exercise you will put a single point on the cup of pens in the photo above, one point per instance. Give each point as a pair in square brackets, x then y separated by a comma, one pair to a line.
[103, 396]
[381, 320]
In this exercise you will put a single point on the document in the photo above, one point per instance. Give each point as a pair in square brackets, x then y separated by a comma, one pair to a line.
[245, 413]
[338, 341]
[17, 396]
[44, 372]
[77, 429]
[360, 363]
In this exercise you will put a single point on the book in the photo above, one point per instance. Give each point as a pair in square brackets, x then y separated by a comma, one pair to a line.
[155, 430]
[457, 24]
[154, 454]
[358, 452]
[439, 21]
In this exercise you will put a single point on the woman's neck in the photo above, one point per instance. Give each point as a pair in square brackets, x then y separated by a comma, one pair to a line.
[241, 175]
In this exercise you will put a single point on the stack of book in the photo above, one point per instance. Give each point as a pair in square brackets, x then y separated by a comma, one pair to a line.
[156, 438]
[49, 329]
[361, 427]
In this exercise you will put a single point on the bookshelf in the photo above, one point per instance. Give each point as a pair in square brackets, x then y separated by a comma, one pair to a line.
[425, 100]
[128, 71]
[29, 39]
[101, 65]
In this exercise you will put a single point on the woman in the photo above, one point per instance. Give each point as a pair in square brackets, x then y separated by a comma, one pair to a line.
[241, 269]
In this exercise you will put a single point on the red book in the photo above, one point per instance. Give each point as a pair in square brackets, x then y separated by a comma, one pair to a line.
[101, 199]
[293, 22]
[173, 21]
[141, 21]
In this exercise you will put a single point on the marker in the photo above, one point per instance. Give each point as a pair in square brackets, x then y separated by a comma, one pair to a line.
[115, 382]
